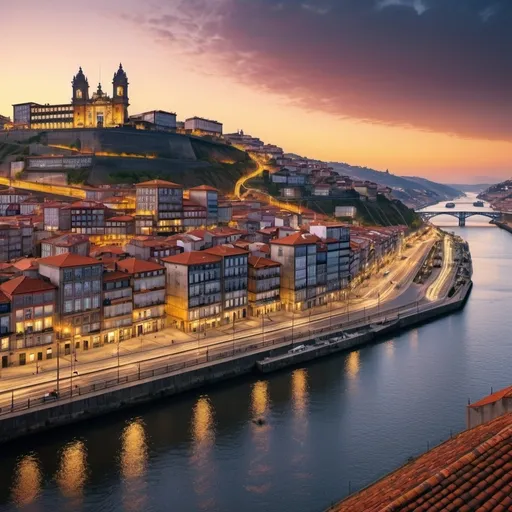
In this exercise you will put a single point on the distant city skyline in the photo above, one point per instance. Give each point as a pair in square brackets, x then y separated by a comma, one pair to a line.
[419, 87]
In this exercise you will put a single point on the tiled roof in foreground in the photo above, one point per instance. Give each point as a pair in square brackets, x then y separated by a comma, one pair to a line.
[470, 472]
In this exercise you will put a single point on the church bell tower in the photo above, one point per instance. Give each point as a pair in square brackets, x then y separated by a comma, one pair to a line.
[120, 96]
[80, 98]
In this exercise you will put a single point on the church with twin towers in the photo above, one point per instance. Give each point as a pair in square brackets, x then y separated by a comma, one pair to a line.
[99, 110]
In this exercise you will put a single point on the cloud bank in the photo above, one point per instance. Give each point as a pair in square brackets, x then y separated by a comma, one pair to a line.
[438, 65]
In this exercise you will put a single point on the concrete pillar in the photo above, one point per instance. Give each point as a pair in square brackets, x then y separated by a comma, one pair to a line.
[462, 221]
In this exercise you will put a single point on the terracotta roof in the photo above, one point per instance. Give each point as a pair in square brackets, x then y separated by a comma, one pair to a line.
[226, 250]
[3, 298]
[134, 266]
[193, 258]
[121, 218]
[114, 276]
[23, 285]
[87, 204]
[472, 471]
[158, 184]
[68, 260]
[26, 264]
[204, 187]
[67, 240]
[494, 397]
[296, 239]
[106, 249]
[256, 262]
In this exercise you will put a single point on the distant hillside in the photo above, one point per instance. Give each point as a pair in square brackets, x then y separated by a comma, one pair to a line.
[475, 189]
[448, 191]
[131, 156]
[414, 192]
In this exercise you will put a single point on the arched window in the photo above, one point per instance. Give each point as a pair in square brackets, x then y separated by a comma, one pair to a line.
[120, 90]
[78, 94]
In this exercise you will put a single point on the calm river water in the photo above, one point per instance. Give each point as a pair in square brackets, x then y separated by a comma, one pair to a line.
[334, 425]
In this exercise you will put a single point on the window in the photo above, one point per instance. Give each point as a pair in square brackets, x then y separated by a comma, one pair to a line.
[68, 290]
[48, 322]
[78, 304]
[68, 306]
[87, 303]
[48, 309]
[38, 311]
[78, 273]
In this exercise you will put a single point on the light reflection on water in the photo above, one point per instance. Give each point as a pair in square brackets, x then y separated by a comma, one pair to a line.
[201, 460]
[347, 418]
[72, 473]
[27, 481]
[133, 465]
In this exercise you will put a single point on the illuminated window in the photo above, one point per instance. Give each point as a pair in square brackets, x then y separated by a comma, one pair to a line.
[120, 90]
[78, 94]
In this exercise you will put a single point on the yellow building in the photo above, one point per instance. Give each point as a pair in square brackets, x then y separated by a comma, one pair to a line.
[98, 111]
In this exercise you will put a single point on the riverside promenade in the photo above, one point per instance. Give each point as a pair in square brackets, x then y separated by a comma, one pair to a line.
[80, 397]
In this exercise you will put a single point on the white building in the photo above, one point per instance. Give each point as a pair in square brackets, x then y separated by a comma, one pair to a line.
[201, 125]
[159, 118]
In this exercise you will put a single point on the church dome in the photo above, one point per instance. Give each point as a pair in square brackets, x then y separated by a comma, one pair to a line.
[80, 78]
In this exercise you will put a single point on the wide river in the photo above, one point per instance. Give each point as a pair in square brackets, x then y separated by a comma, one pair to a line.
[331, 427]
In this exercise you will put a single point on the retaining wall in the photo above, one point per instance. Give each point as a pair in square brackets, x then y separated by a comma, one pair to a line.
[66, 412]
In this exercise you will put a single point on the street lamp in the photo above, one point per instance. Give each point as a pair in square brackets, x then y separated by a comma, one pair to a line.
[263, 326]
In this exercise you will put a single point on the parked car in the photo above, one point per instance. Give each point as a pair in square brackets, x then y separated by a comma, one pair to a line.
[51, 395]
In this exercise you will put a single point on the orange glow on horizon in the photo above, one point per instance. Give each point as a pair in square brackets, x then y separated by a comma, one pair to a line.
[273, 118]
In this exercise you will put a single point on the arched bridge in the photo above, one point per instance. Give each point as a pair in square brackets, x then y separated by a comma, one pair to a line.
[461, 215]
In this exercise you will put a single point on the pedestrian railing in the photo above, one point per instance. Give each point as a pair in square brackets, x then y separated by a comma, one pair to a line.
[70, 389]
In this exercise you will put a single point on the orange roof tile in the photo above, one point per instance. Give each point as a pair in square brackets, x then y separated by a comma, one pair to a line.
[121, 218]
[472, 471]
[114, 276]
[204, 187]
[134, 266]
[256, 262]
[26, 264]
[25, 285]
[193, 258]
[226, 250]
[68, 260]
[296, 239]
[494, 397]
[158, 184]
[3, 298]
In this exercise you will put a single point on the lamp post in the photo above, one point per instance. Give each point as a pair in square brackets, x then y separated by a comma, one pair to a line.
[118, 361]
[234, 330]
[263, 326]
[293, 321]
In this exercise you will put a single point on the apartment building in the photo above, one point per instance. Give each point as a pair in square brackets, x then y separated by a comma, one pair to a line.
[194, 215]
[234, 272]
[117, 307]
[32, 320]
[56, 216]
[76, 244]
[152, 247]
[208, 197]
[148, 282]
[264, 286]
[297, 254]
[79, 280]
[120, 226]
[218, 236]
[336, 237]
[16, 239]
[10, 196]
[194, 291]
[89, 217]
[5, 329]
[159, 208]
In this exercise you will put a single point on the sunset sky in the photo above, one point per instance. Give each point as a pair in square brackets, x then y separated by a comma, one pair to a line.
[419, 87]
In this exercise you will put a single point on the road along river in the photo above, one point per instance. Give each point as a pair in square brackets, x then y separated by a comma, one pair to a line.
[332, 426]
